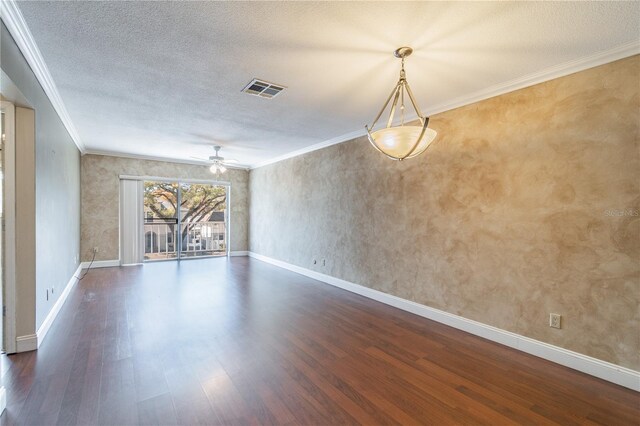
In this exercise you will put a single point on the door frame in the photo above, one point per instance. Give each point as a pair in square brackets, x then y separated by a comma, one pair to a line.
[227, 214]
[9, 252]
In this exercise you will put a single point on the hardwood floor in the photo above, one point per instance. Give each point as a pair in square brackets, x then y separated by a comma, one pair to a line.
[237, 341]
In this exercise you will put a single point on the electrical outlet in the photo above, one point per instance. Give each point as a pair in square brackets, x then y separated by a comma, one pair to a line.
[555, 320]
[324, 262]
[95, 249]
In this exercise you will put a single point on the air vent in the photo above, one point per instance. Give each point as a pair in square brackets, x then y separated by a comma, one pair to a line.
[262, 88]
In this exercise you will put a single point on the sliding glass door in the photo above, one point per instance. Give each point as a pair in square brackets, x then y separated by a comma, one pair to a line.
[184, 220]
[160, 220]
[203, 220]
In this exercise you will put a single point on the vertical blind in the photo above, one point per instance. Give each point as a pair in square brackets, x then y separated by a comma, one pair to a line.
[131, 222]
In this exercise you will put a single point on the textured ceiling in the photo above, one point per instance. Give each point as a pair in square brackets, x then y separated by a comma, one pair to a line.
[164, 78]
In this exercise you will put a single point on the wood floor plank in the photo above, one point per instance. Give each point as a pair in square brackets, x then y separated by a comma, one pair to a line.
[45, 398]
[444, 391]
[118, 393]
[189, 399]
[157, 410]
[239, 342]
[305, 410]
[346, 396]
[227, 403]
[149, 377]
[81, 398]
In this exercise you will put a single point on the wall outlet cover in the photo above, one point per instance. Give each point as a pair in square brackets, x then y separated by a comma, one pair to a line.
[555, 320]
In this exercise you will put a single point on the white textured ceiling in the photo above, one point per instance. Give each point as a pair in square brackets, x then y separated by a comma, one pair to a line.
[164, 78]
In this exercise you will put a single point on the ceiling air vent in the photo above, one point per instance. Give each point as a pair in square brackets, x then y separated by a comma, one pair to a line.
[263, 88]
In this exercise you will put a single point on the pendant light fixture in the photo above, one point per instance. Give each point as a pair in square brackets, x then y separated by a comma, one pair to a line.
[401, 141]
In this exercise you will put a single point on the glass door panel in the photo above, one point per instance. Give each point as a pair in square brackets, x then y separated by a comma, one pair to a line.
[203, 220]
[160, 220]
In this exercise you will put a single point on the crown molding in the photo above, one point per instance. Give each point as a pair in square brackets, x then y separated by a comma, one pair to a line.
[17, 26]
[156, 158]
[557, 71]
[333, 141]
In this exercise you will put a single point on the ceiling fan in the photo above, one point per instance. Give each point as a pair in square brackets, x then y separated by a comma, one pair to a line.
[218, 163]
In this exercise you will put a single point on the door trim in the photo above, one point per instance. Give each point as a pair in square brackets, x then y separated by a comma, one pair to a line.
[9, 255]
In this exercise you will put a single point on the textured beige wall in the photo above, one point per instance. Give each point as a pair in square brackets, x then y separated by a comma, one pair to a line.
[525, 204]
[100, 202]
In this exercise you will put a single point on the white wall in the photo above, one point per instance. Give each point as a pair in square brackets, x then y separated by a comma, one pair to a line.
[55, 163]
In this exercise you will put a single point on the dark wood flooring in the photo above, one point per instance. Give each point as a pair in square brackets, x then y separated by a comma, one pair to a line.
[237, 341]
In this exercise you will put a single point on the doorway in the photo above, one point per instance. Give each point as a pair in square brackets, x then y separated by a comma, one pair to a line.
[184, 220]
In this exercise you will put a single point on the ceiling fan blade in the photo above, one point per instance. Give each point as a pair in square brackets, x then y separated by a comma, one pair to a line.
[230, 160]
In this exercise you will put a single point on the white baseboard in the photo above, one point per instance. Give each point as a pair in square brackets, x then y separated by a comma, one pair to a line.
[101, 264]
[27, 343]
[238, 253]
[53, 313]
[3, 399]
[586, 364]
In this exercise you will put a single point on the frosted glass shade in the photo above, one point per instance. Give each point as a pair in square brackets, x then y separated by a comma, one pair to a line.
[217, 168]
[397, 142]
